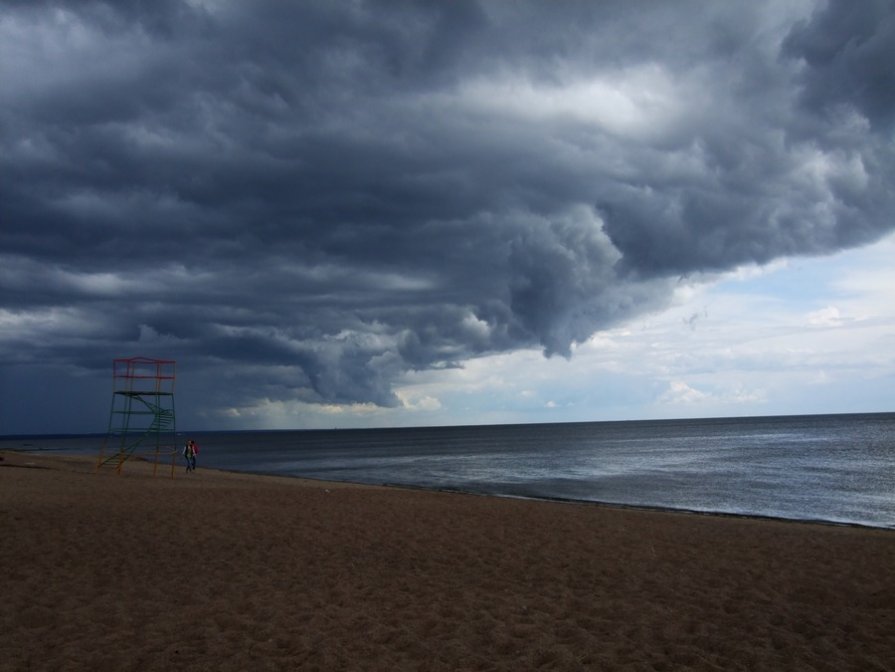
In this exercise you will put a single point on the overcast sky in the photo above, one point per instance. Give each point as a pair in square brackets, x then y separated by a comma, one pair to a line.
[340, 214]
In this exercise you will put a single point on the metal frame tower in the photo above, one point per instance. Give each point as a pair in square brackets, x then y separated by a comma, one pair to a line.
[142, 414]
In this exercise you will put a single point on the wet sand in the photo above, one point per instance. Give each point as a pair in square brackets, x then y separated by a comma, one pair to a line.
[220, 571]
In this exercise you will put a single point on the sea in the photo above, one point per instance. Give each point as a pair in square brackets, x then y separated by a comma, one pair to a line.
[829, 468]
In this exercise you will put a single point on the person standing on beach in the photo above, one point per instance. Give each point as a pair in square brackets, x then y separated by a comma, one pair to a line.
[189, 455]
[195, 452]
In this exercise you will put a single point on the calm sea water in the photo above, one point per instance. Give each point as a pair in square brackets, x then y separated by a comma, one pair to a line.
[837, 468]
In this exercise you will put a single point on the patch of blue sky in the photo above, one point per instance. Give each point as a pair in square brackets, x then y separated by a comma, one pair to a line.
[808, 280]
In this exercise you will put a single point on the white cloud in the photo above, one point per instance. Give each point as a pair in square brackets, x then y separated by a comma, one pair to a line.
[680, 393]
[636, 101]
[413, 402]
[825, 317]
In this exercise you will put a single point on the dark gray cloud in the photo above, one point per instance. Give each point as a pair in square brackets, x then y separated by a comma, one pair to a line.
[306, 200]
[847, 49]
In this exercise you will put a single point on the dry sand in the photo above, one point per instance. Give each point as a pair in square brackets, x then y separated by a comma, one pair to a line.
[218, 571]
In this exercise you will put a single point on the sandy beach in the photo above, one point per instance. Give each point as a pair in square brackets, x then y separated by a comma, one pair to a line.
[222, 571]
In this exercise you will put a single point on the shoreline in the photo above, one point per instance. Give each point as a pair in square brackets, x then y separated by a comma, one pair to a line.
[460, 491]
[621, 505]
[570, 500]
[828, 470]
[228, 570]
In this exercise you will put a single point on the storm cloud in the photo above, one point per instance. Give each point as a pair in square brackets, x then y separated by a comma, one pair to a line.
[304, 201]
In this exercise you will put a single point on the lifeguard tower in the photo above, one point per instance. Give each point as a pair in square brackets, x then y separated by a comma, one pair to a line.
[141, 421]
